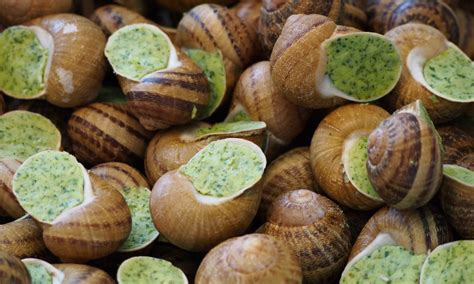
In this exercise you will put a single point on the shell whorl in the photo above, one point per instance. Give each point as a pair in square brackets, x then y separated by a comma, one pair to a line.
[8, 201]
[22, 238]
[14, 12]
[12, 270]
[79, 273]
[119, 175]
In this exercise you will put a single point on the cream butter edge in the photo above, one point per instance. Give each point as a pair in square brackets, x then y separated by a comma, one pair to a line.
[46, 40]
[123, 264]
[259, 126]
[56, 274]
[324, 85]
[88, 192]
[210, 200]
[418, 56]
[173, 61]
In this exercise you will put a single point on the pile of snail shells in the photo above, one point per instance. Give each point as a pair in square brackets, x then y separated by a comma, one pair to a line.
[307, 216]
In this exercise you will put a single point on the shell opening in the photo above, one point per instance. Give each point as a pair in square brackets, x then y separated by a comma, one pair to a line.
[138, 50]
[43, 272]
[144, 269]
[225, 128]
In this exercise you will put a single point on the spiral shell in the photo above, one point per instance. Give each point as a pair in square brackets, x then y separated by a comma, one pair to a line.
[104, 132]
[419, 230]
[119, 175]
[8, 201]
[22, 238]
[327, 148]
[315, 228]
[254, 258]
[14, 12]
[79, 273]
[405, 160]
[458, 146]
[13, 270]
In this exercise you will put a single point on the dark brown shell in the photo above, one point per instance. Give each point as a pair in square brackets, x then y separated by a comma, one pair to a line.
[458, 146]
[8, 201]
[22, 238]
[14, 12]
[2, 105]
[274, 14]
[105, 132]
[419, 230]
[12, 270]
[79, 273]
[185, 5]
[354, 15]
[315, 228]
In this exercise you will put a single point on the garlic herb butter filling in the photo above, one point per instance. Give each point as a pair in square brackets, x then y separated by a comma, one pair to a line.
[230, 127]
[451, 73]
[143, 230]
[48, 183]
[387, 264]
[460, 174]
[23, 62]
[135, 51]
[224, 168]
[144, 269]
[364, 66]
[23, 134]
[39, 274]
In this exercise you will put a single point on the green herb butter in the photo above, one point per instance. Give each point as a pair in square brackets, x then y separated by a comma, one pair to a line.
[230, 127]
[387, 264]
[362, 65]
[143, 229]
[355, 166]
[24, 133]
[48, 183]
[224, 168]
[451, 73]
[39, 274]
[460, 174]
[22, 63]
[212, 65]
[135, 51]
[149, 270]
[450, 263]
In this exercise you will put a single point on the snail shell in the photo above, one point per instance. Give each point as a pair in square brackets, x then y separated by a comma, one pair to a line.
[405, 160]
[466, 22]
[76, 73]
[13, 270]
[22, 238]
[274, 14]
[8, 202]
[14, 12]
[249, 13]
[419, 230]
[185, 5]
[119, 175]
[105, 132]
[458, 146]
[315, 228]
[254, 258]
[354, 14]
[79, 273]
[327, 147]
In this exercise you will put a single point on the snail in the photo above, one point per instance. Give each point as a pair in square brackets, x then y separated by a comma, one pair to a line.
[41, 271]
[317, 64]
[457, 199]
[185, 5]
[76, 273]
[50, 62]
[107, 132]
[212, 197]
[13, 270]
[339, 153]
[426, 76]
[70, 206]
[134, 188]
[405, 157]
[256, 98]
[26, 133]
[253, 258]
[274, 14]
[14, 12]
[315, 228]
[288, 172]
[385, 15]
[145, 269]
[172, 148]
[458, 146]
[8, 202]
[22, 238]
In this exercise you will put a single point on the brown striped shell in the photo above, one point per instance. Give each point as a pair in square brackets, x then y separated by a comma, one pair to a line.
[172, 148]
[385, 15]
[193, 225]
[254, 258]
[212, 27]
[405, 160]
[14, 12]
[327, 148]
[288, 172]
[76, 73]
[169, 97]
[407, 90]
[457, 200]
[458, 146]
[106, 132]
[274, 14]
[295, 57]
[419, 230]
[354, 14]
[92, 230]
[249, 13]
[466, 22]
[22, 238]
[256, 96]
[12, 270]
[119, 175]
[79, 273]
[315, 228]
[8, 201]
